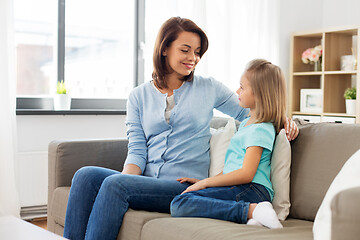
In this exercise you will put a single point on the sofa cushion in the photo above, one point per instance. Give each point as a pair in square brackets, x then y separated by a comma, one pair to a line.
[280, 175]
[318, 154]
[211, 229]
[219, 143]
[134, 221]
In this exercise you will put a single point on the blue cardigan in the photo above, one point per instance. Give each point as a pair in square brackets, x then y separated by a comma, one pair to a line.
[180, 148]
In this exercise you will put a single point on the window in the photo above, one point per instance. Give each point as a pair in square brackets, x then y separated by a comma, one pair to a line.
[34, 42]
[99, 48]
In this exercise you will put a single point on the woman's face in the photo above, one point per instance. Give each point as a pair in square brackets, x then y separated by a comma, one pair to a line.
[183, 54]
[246, 95]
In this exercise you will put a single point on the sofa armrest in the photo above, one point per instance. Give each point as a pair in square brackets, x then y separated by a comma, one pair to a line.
[66, 157]
[345, 215]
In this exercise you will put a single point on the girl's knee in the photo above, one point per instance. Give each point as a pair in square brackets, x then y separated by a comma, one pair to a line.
[178, 204]
[174, 206]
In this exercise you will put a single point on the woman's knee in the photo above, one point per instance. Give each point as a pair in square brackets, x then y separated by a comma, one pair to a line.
[117, 187]
[91, 175]
[84, 174]
[119, 183]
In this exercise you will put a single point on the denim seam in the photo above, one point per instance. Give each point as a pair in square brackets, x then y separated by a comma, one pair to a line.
[238, 196]
[256, 191]
[244, 212]
[262, 190]
[260, 193]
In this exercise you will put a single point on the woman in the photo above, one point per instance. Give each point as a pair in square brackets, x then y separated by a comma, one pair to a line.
[168, 122]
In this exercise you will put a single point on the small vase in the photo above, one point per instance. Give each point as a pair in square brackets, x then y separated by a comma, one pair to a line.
[350, 106]
[62, 102]
[317, 66]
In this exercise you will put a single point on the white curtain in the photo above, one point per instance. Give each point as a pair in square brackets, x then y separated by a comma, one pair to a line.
[238, 31]
[9, 200]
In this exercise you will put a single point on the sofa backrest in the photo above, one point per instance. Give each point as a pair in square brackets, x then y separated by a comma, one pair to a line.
[318, 154]
[218, 122]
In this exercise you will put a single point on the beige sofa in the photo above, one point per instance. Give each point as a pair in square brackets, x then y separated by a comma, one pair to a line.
[318, 154]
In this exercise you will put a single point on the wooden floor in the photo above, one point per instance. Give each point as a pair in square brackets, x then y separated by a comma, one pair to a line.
[40, 222]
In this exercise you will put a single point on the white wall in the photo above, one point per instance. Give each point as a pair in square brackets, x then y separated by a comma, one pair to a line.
[296, 16]
[35, 132]
[340, 13]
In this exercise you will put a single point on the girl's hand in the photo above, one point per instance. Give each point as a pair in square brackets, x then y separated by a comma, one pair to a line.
[197, 186]
[189, 180]
[291, 129]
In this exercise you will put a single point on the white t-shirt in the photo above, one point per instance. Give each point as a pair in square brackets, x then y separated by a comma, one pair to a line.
[170, 103]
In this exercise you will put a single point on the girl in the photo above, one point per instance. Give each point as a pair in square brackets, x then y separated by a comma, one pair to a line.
[243, 192]
[168, 127]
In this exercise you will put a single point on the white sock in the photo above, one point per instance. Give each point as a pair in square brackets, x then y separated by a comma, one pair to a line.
[265, 214]
[253, 222]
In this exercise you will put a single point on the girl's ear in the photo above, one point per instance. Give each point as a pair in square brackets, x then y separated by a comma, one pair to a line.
[164, 53]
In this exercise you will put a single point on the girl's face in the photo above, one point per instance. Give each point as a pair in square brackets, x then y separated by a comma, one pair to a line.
[183, 54]
[246, 95]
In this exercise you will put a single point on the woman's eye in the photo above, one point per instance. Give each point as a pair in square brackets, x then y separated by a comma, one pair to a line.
[184, 51]
[197, 53]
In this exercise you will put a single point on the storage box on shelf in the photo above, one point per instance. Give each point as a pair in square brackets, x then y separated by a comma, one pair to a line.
[317, 119]
[330, 79]
[338, 119]
[308, 118]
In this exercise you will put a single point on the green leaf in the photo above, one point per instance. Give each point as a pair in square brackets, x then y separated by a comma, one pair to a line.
[350, 93]
[61, 88]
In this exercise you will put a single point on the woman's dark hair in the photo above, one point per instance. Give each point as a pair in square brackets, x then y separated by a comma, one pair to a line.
[168, 33]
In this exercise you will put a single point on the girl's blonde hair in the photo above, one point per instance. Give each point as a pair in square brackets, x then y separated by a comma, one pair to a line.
[268, 85]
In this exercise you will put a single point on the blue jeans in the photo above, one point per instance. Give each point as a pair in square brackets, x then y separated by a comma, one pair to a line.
[224, 203]
[100, 197]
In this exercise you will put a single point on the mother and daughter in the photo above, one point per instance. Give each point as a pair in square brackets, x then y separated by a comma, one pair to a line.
[168, 128]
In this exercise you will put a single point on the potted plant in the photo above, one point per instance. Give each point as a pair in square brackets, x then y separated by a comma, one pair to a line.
[62, 99]
[350, 98]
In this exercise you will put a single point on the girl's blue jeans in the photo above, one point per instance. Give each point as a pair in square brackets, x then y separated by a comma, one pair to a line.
[99, 199]
[224, 203]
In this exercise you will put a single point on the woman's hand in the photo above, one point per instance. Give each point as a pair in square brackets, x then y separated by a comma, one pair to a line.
[196, 186]
[291, 129]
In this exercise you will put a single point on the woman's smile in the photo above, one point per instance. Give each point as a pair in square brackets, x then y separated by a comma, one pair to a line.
[189, 65]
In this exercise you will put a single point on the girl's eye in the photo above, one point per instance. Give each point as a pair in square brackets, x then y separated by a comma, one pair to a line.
[185, 51]
[197, 53]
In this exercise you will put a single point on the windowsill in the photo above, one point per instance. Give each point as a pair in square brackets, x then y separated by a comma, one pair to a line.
[71, 112]
[79, 106]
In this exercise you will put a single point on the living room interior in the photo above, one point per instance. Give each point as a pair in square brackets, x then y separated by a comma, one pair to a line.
[102, 50]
